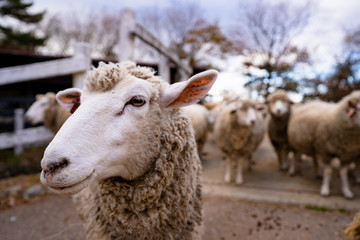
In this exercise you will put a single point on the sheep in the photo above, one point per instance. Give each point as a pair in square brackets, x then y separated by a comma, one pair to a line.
[238, 131]
[47, 110]
[301, 133]
[128, 154]
[328, 131]
[199, 116]
[279, 107]
[352, 232]
[216, 108]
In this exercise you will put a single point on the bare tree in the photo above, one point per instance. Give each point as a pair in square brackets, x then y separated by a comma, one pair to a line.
[217, 44]
[172, 24]
[352, 40]
[100, 29]
[345, 75]
[266, 31]
[152, 18]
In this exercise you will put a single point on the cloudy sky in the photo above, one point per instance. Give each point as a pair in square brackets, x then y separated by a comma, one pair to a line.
[332, 13]
[322, 37]
[325, 28]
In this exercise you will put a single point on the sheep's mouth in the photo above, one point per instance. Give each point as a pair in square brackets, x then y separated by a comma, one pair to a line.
[74, 188]
[279, 114]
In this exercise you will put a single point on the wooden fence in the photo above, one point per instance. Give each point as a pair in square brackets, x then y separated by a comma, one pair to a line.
[129, 29]
[77, 66]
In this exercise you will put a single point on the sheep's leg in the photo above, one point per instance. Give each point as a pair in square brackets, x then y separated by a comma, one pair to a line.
[357, 172]
[317, 168]
[280, 159]
[345, 182]
[325, 187]
[239, 174]
[228, 169]
[284, 161]
[250, 163]
[294, 163]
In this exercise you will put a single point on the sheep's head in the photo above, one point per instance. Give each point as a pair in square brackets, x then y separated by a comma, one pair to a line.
[35, 114]
[352, 107]
[116, 129]
[245, 112]
[279, 104]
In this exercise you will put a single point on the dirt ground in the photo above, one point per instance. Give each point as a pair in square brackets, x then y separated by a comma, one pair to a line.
[49, 216]
[54, 217]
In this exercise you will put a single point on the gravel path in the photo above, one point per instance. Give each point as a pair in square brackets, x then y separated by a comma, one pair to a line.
[226, 214]
[54, 217]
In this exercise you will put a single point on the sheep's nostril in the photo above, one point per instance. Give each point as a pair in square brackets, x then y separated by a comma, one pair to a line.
[54, 167]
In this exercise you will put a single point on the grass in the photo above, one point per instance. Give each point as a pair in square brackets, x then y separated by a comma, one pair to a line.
[8, 157]
[26, 163]
[316, 208]
[324, 209]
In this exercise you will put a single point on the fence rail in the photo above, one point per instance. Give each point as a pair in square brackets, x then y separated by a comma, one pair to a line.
[25, 136]
[77, 65]
[148, 38]
[129, 29]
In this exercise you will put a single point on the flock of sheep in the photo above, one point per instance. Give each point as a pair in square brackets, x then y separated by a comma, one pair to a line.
[131, 158]
[327, 132]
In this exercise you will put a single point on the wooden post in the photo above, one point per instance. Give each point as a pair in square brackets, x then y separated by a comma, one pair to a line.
[19, 126]
[127, 39]
[183, 76]
[164, 68]
[82, 50]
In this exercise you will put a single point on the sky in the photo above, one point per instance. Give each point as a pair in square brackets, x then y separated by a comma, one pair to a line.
[323, 35]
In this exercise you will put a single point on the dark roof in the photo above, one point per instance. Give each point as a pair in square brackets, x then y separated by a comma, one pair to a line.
[10, 57]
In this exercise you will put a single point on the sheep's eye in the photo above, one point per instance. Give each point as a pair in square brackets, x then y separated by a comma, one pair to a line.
[137, 101]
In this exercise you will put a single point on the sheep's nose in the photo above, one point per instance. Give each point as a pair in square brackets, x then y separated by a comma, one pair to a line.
[278, 111]
[252, 123]
[28, 118]
[52, 168]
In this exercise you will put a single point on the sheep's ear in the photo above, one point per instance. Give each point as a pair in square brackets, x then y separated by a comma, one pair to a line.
[351, 105]
[185, 93]
[352, 109]
[69, 99]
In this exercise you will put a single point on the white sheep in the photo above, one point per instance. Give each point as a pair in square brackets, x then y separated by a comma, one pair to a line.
[328, 131]
[130, 150]
[46, 110]
[301, 133]
[215, 108]
[199, 116]
[279, 107]
[238, 131]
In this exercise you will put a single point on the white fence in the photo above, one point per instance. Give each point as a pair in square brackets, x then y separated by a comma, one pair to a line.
[22, 137]
[77, 65]
[129, 29]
